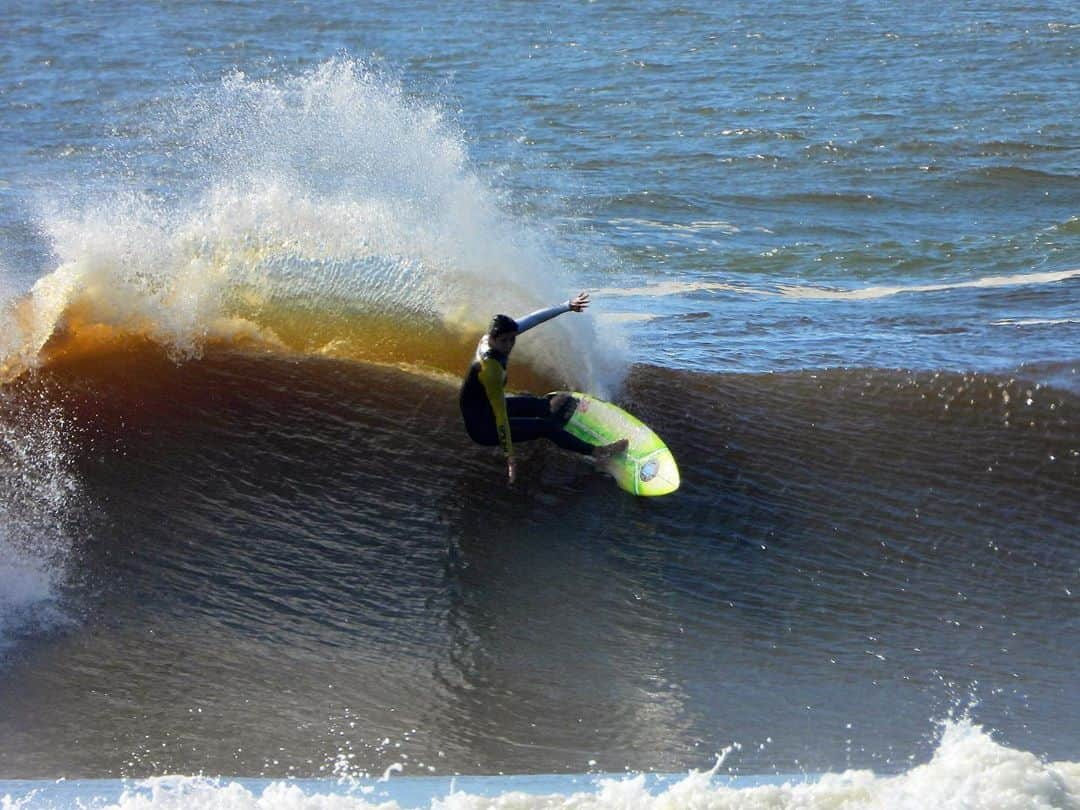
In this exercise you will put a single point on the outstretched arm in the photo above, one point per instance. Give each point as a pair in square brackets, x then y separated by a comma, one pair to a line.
[576, 304]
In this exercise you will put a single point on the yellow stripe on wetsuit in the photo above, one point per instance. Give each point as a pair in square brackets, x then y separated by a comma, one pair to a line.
[493, 377]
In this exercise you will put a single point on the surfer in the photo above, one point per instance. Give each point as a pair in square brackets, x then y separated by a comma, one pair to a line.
[493, 418]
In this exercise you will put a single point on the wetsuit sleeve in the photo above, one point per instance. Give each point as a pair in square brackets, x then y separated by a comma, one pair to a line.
[491, 376]
[541, 315]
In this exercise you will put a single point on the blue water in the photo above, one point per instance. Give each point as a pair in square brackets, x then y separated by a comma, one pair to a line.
[834, 255]
[761, 147]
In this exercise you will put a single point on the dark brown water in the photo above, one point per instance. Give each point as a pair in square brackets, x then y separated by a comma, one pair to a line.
[261, 562]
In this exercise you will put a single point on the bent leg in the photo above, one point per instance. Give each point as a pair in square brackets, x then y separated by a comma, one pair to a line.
[530, 418]
[568, 441]
[528, 407]
[524, 429]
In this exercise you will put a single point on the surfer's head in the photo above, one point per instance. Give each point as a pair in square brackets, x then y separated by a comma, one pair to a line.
[502, 333]
[501, 325]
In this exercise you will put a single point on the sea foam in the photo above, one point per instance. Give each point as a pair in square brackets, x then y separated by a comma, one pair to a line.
[969, 769]
[327, 197]
[40, 510]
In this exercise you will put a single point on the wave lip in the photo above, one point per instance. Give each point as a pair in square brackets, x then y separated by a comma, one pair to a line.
[327, 214]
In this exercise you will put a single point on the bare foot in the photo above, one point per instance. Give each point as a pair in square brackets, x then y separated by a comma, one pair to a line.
[606, 452]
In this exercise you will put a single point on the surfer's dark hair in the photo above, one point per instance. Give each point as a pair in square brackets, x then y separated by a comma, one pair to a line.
[501, 324]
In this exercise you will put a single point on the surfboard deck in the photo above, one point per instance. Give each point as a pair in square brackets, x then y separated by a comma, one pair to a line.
[647, 468]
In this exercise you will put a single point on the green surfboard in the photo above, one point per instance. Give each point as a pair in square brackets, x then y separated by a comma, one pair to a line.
[647, 467]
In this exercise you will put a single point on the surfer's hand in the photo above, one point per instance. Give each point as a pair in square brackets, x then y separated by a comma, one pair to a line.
[579, 302]
[511, 469]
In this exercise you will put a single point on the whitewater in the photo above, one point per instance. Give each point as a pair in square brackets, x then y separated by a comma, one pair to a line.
[967, 770]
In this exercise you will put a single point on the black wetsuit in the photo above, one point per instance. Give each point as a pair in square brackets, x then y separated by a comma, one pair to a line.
[492, 418]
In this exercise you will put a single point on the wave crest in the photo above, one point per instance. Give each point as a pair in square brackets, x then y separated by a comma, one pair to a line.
[331, 214]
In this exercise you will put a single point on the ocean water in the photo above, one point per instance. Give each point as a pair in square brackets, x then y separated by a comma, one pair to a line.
[249, 557]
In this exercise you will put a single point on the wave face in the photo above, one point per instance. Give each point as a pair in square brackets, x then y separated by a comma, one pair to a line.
[890, 542]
